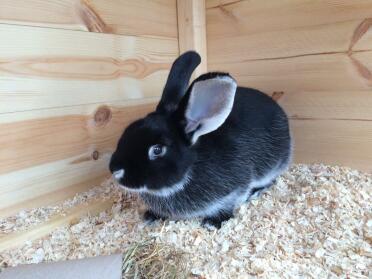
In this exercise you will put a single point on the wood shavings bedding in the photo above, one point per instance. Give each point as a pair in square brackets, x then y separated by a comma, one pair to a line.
[28, 218]
[316, 222]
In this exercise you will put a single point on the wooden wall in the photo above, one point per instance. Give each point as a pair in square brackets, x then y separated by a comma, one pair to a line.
[314, 57]
[73, 74]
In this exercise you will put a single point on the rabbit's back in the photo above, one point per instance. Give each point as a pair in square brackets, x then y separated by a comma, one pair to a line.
[256, 134]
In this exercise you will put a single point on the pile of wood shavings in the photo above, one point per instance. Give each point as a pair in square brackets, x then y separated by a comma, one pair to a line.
[28, 218]
[316, 222]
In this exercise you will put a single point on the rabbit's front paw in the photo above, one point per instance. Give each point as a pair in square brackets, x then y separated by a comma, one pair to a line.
[151, 217]
[215, 222]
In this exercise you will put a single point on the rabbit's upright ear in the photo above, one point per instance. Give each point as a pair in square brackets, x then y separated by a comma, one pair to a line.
[210, 103]
[178, 81]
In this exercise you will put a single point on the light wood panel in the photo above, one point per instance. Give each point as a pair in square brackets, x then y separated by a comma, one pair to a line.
[216, 3]
[28, 184]
[342, 105]
[341, 142]
[323, 72]
[86, 109]
[314, 57]
[19, 238]
[49, 159]
[39, 141]
[362, 36]
[66, 96]
[127, 17]
[237, 32]
[308, 40]
[53, 197]
[192, 30]
[256, 16]
[42, 68]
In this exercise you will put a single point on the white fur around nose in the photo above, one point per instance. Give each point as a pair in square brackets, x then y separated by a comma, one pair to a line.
[119, 174]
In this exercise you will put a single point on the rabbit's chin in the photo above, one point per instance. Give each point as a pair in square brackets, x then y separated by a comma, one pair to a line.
[162, 192]
[142, 189]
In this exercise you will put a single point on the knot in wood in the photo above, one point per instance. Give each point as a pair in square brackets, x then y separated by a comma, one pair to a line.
[102, 116]
[95, 155]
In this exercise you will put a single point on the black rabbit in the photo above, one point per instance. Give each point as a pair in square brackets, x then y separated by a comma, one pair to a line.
[205, 149]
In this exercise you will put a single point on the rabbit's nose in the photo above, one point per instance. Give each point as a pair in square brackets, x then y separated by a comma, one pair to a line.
[119, 174]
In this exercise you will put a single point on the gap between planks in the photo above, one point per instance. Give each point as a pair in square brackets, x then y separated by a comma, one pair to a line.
[122, 102]
[159, 37]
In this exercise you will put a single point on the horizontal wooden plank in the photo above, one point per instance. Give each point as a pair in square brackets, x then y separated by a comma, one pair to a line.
[38, 141]
[336, 142]
[18, 95]
[26, 185]
[31, 41]
[140, 17]
[323, 72]
[331, 105]
[19, 238]
[299, 41]
[280, 38]
[74, 68]
[86, 109]
[256, 16]
[51, 197]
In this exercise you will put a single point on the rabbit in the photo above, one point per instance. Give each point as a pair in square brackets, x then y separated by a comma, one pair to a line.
[206, 148]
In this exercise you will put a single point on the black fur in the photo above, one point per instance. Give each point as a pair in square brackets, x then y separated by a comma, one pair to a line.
[253, 141]
[178, 81]
[132, 150]
[150, 216]
[216, 220]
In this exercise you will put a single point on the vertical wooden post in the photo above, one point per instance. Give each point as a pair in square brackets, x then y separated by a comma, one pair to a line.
[192, 30]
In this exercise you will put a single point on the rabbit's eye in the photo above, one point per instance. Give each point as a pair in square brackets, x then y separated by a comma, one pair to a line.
[156, 151]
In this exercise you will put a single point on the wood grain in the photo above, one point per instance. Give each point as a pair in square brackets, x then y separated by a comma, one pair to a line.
[340, 33]
[22, 189]
[51, 197]
[300, 41]
[58, 153]
[256, 16]
[19, 238]
[340, 142]
[192, 30]
[126, 17]
[327, 105]
[362, 36]
[314, 58]
[323, 72]
[85, 109]
[66, 96]
[215, 3]
[78, 67]
[39, 141]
